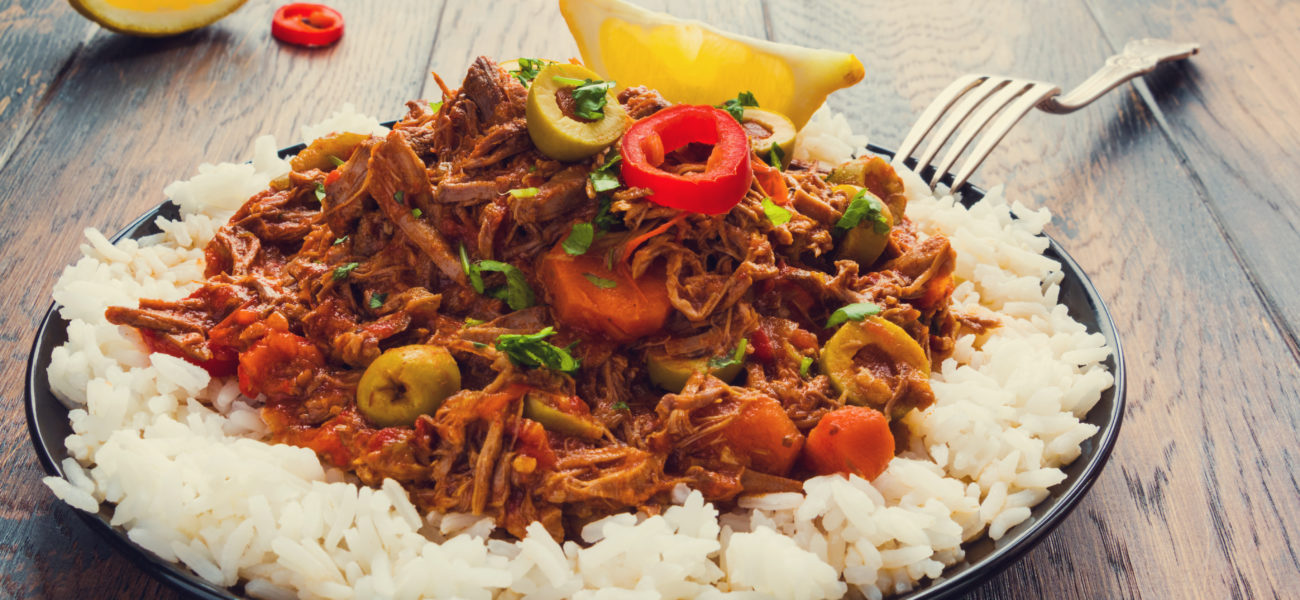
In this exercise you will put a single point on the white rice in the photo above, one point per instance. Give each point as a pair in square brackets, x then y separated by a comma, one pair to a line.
[182, 461]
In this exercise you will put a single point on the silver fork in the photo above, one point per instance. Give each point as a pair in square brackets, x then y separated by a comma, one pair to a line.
[999, 102]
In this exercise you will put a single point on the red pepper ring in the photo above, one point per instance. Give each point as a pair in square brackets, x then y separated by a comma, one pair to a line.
[305, 24]
[727, 174]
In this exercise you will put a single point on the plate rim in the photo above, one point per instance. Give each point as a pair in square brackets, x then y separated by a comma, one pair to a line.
[1027, 535]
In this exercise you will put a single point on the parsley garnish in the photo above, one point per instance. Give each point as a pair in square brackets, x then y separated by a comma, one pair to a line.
[864, 205]
[338, 241]
[589, 96]
[609, 259]
[479, 345]
[736, 106]
[532, 350]
[435, 106]
[528, 70]
[523, 192]
[604, 219]
[776, 156]
[417, 213]
[620, 405]
[377, 299]
[475, 278]
[338, 162]
[777, 215]
[320, 191]
[344, 270]
[804, 364]
[579, 239]
[600, 282]
[852, 312]
[734, 358]
[605, 177]
[516, 293]
[472, 322]
[398, 196]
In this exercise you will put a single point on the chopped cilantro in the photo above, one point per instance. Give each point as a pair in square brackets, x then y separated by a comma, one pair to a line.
[345, 270]
[479, 345]
[338, 241]
[776, 214]
[852, 312]
[320, 191]
[733, 358]
[398, 196]
[523, 192]
[605, 177]
[736, 106]
[377, 299]
[605, 220]
[435, 106]
[528, 70]
[864, 205]
[532, 350]
[579, 239]
[776, 156]
[417, 213]
[804, 364]
[600, 282]
[471, 271]
[589, 96]
[472, 322]
[338, 162]
[517, 292]
[620, 405]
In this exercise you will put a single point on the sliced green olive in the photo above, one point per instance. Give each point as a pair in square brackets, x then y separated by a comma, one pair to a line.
[322, 153]
[671, 373]
[865, 242]
[406, 382]
[537, 408]
[555, 131]
[864, 360]
[878, 176]
[766, 128]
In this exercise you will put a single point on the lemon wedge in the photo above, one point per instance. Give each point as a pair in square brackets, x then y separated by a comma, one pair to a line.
[692, 63]
[154, 18]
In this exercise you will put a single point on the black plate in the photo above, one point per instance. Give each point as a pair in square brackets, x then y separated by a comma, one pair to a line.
[47, 421]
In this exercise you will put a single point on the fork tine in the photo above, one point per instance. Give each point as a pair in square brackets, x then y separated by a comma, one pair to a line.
[976, 123]
[932, 113]
[967, 105]
[1017, 110]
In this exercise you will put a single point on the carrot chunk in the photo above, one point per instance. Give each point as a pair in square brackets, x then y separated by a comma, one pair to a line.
[851, 439]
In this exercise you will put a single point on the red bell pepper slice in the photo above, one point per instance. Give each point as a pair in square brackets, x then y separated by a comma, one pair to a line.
[726, 176]
[304, 24]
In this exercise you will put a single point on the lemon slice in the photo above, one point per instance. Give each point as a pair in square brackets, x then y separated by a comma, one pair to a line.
[692, 63]
[154, 18]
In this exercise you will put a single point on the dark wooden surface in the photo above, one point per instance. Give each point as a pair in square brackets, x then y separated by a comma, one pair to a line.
[1176, 194]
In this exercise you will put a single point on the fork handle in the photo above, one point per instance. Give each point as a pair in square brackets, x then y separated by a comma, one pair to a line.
[1138, 57]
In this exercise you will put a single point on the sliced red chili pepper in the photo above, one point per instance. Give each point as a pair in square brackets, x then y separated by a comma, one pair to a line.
[727, 173]
[305, 24]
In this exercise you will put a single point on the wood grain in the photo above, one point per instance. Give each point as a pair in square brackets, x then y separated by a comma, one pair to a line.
[1159, 192]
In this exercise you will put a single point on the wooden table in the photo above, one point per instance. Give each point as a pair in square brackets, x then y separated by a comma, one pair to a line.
[1175, 194]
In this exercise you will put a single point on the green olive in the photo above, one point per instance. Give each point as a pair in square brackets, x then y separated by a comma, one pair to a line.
[867, 240]
[318, 154]
[559, 135]
[864, 356]
[877, 175]
[766, 128]
[537, 408]
[671, 373]
[406, 382]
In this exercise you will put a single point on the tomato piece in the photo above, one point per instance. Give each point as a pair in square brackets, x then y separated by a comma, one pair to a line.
[850, 439]
[279, 365]
[727, 173]
[531, 440]
[306, 24]
[628, 310]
